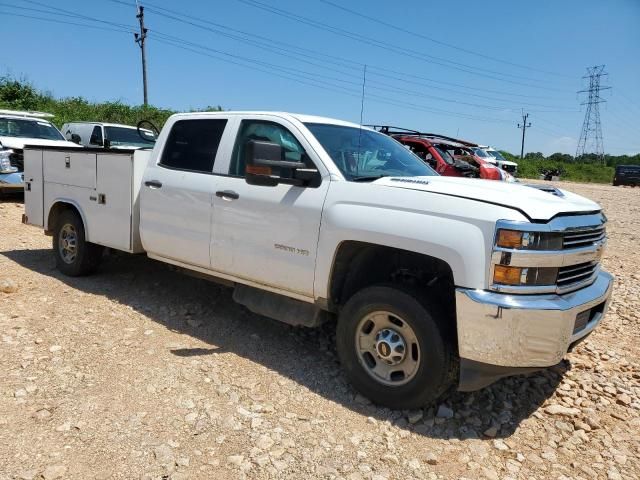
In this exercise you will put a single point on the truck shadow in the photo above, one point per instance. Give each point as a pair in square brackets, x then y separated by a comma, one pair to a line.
[206, 312]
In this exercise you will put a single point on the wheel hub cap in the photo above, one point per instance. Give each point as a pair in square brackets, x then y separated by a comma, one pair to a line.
[390, 346]
[387, 348]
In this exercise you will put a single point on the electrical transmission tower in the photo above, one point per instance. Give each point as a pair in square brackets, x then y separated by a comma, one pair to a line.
[590, 141]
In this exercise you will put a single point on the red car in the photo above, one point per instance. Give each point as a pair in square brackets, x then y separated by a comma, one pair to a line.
[445, 155]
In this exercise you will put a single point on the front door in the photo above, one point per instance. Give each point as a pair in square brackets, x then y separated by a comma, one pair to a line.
[177, 190]
[268, 235]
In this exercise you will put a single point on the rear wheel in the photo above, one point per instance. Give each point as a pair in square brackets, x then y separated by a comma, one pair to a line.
[393, 347]
[74, 255]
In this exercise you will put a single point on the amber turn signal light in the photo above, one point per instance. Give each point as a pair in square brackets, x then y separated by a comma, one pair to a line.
[509, 238]
[506, 275]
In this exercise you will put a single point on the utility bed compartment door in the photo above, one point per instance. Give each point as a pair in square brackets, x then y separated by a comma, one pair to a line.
[110, 207]
[77, 169]
[33, 187]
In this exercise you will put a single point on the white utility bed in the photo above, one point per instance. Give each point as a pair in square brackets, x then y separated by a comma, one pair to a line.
[103, 184]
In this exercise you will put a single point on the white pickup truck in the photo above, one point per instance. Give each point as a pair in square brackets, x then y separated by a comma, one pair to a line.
[434, 281]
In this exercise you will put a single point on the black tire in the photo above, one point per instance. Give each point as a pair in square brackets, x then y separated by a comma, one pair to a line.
[87, 255]
[436, 364]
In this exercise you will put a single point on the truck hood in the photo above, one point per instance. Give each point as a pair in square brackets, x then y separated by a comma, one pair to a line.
[19, 142]
[535, 204]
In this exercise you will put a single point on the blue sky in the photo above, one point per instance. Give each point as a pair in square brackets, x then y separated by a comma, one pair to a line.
[462, 68]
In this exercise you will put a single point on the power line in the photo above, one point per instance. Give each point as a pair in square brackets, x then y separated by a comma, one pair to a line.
[393, 48]
[303, 54]
[305, 59]
[296, 75]
[237, 59]
[53, 20]
[436, 41]
[68, 13]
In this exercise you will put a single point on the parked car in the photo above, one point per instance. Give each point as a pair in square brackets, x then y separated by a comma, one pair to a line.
[499, 160]
[17, 129]
[108, 135]
[626, 175]
[435, 281]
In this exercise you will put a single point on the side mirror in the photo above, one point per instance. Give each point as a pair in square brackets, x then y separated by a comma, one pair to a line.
[264, 166]
[75, 138]
[106, 143]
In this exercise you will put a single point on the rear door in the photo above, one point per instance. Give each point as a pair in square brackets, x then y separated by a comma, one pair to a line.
[177, 191]
[268, 235]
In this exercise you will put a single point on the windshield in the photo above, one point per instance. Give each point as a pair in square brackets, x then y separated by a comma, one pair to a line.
[119, 136]
[497, 155]
[26, 128]
[364, 154]
[481, 153]
[446, 156]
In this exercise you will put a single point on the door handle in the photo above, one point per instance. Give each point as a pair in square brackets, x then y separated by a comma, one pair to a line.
[153, 184]
[227, 195]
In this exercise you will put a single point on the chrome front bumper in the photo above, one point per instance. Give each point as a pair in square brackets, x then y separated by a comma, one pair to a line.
[11, 181]
[503, 330]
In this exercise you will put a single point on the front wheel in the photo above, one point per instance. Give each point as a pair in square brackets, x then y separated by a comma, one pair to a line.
[74, 255]
[394, 348]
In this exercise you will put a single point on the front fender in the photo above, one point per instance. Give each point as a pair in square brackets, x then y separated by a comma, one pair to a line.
[455, 230]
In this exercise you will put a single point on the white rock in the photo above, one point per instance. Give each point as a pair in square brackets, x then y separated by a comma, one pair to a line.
[556, 409]
[264, 442]
[235, 460]
[8, 286]
[54, 471]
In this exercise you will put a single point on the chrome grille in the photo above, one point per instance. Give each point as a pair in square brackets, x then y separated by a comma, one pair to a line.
[575, 275]
[583, 237]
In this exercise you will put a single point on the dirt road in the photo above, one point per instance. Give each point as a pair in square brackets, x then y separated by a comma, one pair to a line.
[143, 372]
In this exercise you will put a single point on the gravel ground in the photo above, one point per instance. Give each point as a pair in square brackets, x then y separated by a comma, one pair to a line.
[142, 372]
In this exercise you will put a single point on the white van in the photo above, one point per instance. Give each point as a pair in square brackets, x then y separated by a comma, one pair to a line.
[108, 135]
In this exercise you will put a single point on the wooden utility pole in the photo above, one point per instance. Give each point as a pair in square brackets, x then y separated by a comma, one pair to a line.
[140, 40]
[524, 127]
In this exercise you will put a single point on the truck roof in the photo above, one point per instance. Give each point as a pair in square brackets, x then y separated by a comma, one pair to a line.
[25, 114]
[104, 124]
[291, 116]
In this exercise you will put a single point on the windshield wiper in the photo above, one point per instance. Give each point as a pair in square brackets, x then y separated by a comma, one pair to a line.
[368, 178]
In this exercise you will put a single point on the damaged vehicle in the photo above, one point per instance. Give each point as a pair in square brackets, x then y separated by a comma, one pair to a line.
[447, 156]
[433, 282]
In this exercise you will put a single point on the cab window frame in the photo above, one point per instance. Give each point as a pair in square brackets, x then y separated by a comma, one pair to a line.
[239, 134]
[167, 143]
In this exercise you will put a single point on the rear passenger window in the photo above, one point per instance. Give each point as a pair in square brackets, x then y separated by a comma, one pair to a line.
[193, 144]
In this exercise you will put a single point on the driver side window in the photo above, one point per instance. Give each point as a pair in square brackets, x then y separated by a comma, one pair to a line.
[269, 132]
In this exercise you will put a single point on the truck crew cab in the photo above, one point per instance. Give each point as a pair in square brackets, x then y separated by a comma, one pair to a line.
[435, 282]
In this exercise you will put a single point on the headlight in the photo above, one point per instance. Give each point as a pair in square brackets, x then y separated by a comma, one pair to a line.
[520, 240]
[516, 254]
[5, 162]
[521, 276]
